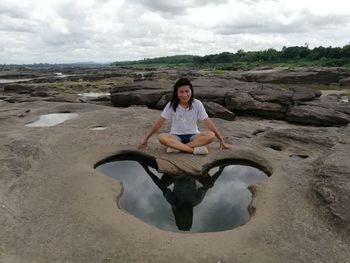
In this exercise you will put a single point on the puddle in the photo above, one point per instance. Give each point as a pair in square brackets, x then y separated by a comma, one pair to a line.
[60, 75]
[94, 94]
[344, 99]
[98, 128]
[13, 80]
[195, 204]
[52, 119]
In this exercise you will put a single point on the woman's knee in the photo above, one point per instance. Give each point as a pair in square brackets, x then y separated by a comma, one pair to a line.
[210, 135]
[163, 137]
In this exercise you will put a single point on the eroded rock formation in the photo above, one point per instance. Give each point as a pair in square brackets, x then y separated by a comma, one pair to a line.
[55, 207]
[240, 98]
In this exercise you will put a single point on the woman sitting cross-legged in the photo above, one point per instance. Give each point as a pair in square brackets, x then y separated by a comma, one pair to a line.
[184, 111]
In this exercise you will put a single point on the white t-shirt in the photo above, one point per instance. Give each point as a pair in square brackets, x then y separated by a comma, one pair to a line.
[185, 120]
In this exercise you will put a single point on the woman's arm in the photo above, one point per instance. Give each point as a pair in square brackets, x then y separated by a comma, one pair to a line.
[153, 130]
[211, 126]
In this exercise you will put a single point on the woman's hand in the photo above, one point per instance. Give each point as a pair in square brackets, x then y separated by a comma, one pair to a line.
[211, 126]
[143, 145]
[154, 129]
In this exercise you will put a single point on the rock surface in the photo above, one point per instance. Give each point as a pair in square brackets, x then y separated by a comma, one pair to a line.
[55, 207]
[240, 92]
[216, 110]
[239, 97]
[316, 115]
[296, 75]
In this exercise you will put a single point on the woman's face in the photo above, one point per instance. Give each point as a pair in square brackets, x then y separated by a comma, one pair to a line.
[184, 93]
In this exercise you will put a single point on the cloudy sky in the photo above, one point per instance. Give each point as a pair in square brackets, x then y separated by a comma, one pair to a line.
[63, 31]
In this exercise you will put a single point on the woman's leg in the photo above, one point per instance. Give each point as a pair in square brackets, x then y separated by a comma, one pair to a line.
[170, 140]
[201, 139]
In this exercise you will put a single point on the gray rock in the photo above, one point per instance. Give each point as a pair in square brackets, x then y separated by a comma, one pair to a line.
[18, 88]
[141, 76]
[140, 93]
[242, 102]
[332, 184]
[314, 115]
[217, 111]
[140, 97]
[163, 101]
[41, 92]
[296, 75]
[330, 102]
[345, 82]
[279, 96]
[304, 94]
[103, 98]
[301, 210]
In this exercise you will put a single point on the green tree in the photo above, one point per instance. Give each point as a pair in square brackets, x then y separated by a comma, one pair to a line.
[346, 51]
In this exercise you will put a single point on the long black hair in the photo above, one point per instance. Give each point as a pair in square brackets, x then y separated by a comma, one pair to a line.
[175, 98]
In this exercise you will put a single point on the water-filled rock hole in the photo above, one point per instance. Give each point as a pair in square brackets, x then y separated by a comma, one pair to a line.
[298, 156]
[216, 201]
[48, 120]
[98, 128]
[94, 94]
[275, 147]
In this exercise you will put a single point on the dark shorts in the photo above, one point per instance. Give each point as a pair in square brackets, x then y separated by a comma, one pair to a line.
[185, 138]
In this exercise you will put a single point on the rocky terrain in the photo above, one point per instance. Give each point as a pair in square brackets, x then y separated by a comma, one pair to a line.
[55, 207]
[252, 93]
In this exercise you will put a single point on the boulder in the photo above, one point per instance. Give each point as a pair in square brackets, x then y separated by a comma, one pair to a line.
[141, 76]
[304, 94]
[209, 90]
[18, 88]
[139, 93]
[41, 92]
[296, 75]
[244, 103]
[345, 82]
[217, 111]
[315, 115]
[330, 102]
[140, 97]
[163, 101]
[274, 95]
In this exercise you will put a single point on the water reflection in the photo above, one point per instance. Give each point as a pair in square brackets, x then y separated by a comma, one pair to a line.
[48, 120]
[197, 204]
[184, 195]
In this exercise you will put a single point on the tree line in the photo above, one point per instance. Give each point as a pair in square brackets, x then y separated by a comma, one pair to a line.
[295, 55]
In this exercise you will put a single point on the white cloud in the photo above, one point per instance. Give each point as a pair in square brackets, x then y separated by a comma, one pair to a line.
[176, 7]
[283, 23]
[107, 30]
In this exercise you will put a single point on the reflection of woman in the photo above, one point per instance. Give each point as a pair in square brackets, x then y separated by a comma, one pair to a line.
[185, 194]
[184, 111]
